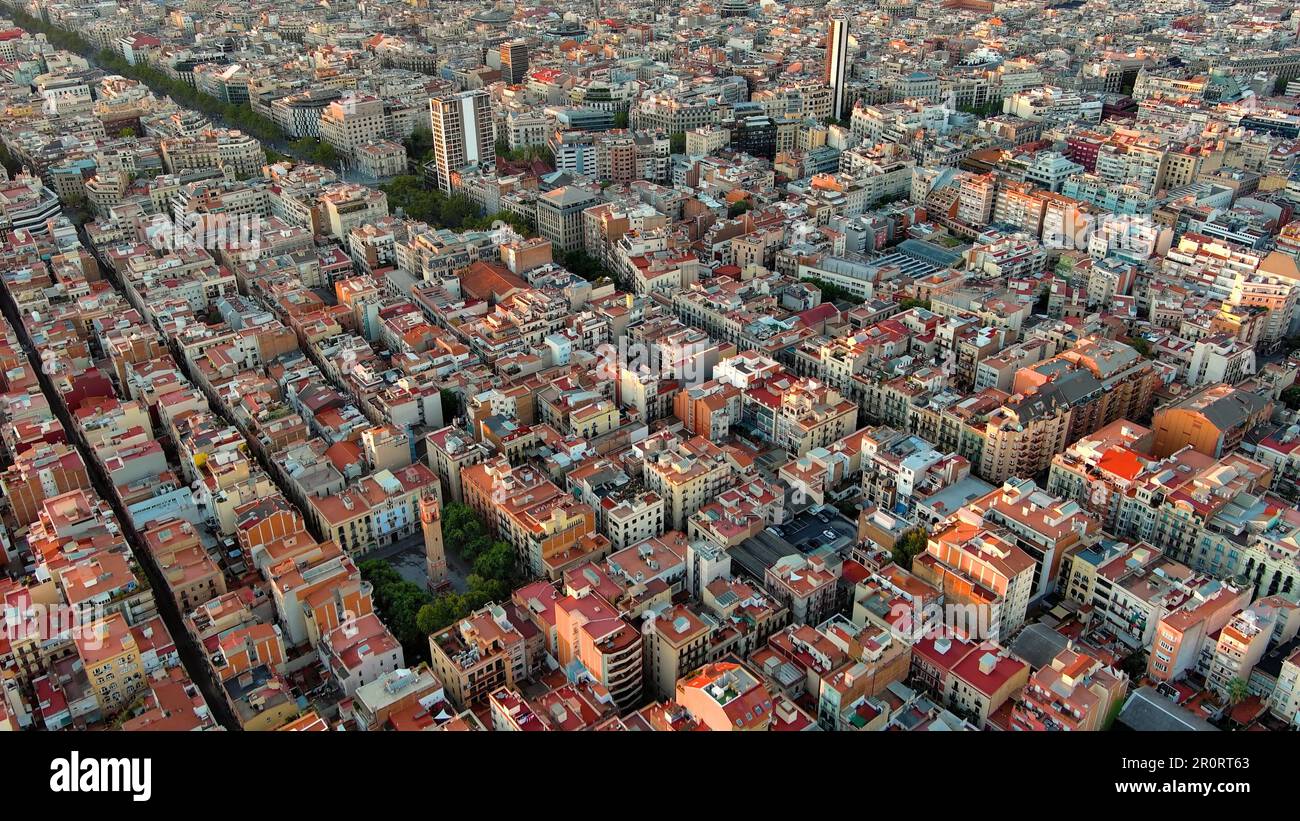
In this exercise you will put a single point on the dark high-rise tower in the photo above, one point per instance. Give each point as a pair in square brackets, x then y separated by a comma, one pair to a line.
[514, 61]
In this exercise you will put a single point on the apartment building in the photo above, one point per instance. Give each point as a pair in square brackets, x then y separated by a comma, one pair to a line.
[594, 638]
[449, 451]
[1075, 693]
[980, 569]
[1184, 635]
[1246, 638]
[677, 640]
[799, 414]
[973, 678]
[380, 159]
[111, 660]
[46, 469]
[375, 705]
[807, 586]
[549, 529]
[1098, 470]
[559, 216]
[875, 658]
[1044, 527]
[1021, 437]
[351, 122]
[631, 518]
[481, 652]
[685, 474]
[375, 511]
[360, 651]
[726, 696]
[345, 207]
[234, 153]
[1285, 701]
[1212, 420]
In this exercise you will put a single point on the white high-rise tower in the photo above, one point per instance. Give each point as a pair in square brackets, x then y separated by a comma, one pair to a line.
[837, 62]
[462, 133]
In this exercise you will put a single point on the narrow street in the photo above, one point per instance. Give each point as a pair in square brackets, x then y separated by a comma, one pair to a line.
[215, 407]
[193, 657]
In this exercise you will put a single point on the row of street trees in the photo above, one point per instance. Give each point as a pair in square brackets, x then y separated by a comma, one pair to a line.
[457, 212]
[234, 115]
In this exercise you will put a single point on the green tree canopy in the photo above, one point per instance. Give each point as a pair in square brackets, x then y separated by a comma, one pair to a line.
[419, 146]
[1291, 397]
[496, 562]
[399, 603]
[911, 545]
[458, 212]
[584, 265]
[1238, 691]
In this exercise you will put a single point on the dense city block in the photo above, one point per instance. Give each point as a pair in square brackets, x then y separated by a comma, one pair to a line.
[893, 365]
